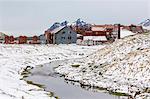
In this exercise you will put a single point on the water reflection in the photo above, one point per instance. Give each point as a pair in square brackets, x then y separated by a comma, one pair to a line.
[66, 89]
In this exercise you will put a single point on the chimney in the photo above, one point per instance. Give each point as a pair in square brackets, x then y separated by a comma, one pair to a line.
[119, 31]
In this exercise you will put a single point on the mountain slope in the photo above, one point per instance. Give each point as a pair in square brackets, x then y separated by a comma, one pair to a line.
[146, 24]
[2, 35]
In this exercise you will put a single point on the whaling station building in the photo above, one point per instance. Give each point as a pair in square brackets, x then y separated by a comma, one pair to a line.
[61, 35]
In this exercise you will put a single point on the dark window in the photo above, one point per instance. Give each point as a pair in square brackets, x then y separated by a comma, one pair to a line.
[62, 37]
[69, 37]
[63, 32]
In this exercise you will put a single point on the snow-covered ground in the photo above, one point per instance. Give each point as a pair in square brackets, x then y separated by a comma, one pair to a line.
[124, 33]
[148, 27]
[123, 66]
[14, 58]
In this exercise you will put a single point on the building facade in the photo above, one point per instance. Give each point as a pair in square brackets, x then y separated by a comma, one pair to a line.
[61, 35]
[42, 39]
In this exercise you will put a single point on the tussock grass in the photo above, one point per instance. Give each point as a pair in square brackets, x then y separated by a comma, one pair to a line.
[75, 65]
[39, 85]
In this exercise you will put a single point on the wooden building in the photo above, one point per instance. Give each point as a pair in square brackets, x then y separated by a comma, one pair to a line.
[61, 35]
[35, 40]
[9, 40]
[42, 39]
[99, 33]
[22, 40]
[134, 28]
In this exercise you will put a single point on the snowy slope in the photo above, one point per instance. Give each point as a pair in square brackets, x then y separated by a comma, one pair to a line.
[123, 66]
[148, 27]
[125, 33]
[146, 24]
[13, 58]
[2, 35]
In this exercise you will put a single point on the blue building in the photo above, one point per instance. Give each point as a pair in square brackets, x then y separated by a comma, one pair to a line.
[61, 35]
[42, 39]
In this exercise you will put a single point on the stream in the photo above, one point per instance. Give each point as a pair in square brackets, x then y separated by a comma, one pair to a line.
[45, 75]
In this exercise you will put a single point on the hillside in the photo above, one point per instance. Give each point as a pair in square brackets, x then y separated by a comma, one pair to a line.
[16, 58]
[123, 67]
[2, 35]
[146, 24]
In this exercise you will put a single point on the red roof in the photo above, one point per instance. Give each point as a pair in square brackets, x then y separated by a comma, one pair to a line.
[106, 26]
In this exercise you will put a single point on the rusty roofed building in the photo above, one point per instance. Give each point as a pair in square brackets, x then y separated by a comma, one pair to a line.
[99, 33]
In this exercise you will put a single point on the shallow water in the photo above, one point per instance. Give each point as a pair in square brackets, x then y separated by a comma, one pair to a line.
[46, 76]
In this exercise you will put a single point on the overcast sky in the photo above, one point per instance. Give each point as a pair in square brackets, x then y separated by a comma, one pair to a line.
[32, 17]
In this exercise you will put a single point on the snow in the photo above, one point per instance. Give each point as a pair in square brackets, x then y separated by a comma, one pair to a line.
[57, 29]
[146, 24]
[2, 35]
[148, 27]
[14, 58]
[125, 33]
[95, 38]
[123, 66]
[78, 35]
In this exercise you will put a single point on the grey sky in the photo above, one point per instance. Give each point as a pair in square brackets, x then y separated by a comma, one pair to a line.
[32, 17]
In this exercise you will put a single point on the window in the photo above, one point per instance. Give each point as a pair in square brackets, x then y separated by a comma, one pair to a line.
[62, 37]
[63, 32]
[69, 37]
